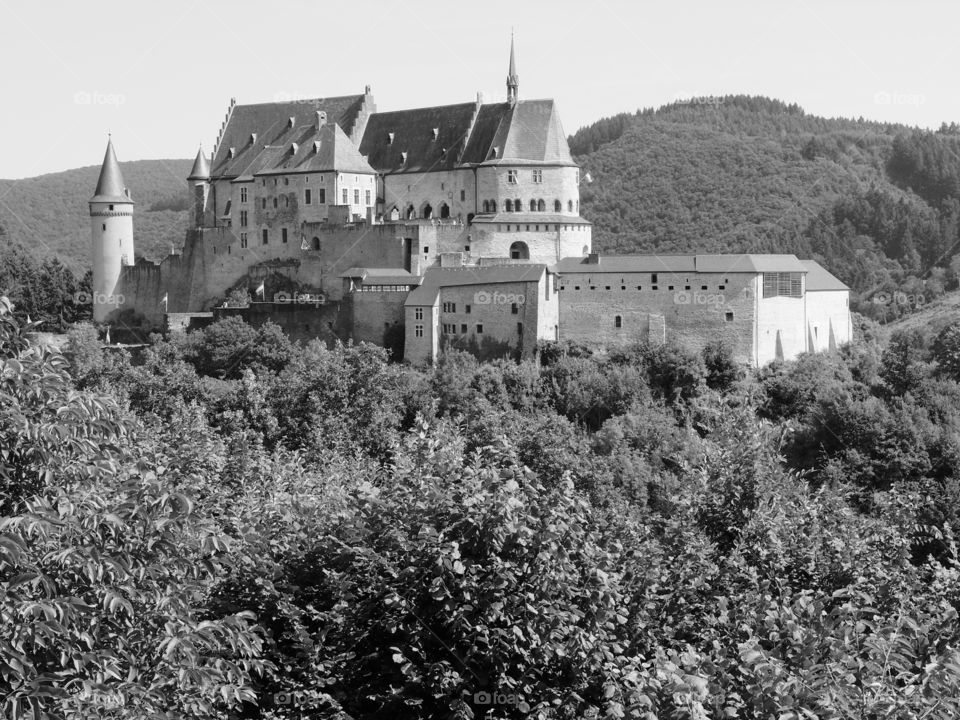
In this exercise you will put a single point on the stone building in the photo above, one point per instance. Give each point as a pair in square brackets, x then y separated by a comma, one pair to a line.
[459, 223]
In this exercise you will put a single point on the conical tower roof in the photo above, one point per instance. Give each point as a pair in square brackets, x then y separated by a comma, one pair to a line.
[110, 186]
[201, 167]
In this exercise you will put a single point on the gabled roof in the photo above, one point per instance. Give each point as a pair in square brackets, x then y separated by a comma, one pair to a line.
[389, 135]
[436, 278]
[681, 263]
[270, 122]
[110, 185]
[819, 279]
[334, 152]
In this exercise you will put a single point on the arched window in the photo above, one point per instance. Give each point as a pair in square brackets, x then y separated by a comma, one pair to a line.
[493, 206]
[569, 205]
[541, 206]
[444, 211]
[316, 243]
[427, 211]
[517, 205]
[519, 251]
[557, 206]
[486, 206]
[509, 205]
[533, 205]
[411, 213]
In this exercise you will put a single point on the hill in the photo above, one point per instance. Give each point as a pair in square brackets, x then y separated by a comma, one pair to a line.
[876, 203]
[48, 214]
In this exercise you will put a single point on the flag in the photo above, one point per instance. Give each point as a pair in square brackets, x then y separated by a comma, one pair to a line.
[260, 289]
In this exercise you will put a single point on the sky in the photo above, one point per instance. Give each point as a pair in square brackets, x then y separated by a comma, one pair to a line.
[160, 76]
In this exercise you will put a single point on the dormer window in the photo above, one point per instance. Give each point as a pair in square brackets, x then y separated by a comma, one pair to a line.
[389, 138]
[403, 156]
[292, 121]
[253, 138]
[436, 133]
[512, 177]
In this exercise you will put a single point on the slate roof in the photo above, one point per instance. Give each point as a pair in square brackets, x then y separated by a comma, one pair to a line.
[335, 152]
[819, 279]
[201, 167]
[382, 276]
[413, 134]
[528, 132]
[436, 278]
[110, 185]
[270, 121]
[682, 263]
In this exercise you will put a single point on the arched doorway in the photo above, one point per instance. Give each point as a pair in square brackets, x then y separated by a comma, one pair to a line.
[519, 251]
[444, 211]
[315, 243]
[427, 212]
[411, 213]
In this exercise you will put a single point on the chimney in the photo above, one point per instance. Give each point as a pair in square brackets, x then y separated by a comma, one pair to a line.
[593, 259]
[321, 119]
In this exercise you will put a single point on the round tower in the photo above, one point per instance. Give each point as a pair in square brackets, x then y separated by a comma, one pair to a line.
[111, 223]
[199, 178]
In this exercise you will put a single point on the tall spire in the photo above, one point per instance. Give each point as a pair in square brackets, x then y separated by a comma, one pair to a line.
[110, 185]
[513, 80]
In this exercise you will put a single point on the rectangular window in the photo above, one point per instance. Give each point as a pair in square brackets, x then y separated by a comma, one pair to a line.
[538, 176]
[322, 196]
[463, 195]
[653, 279]
[266, 236]
[283, 235]
[346, 198]
[479, 329]
[466, 309]
[512, 177]
[243, 218]
[784, 284]
[514, 309]
[368, 197]
[307, 197]
[263, 204]
[356, 197]
[463, 329]
[418, 330]
[243, 195]
[418, 314]
[728, 316]
[243, 240]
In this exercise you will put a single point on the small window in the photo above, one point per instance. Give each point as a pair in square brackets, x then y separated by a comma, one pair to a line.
[606, 287]
[463, 195]
[104, 226]
[618, 321]
[686, 287]
[283, 235]
[703, 287]
[512, 177]
[576, 287]
[538, 176]
[514, 309]
[286, 181]
[356, 197]
[307, 197]
[463, 329]
[480, 329]
[266, 236]
[728, 316]
[426, 249]
[263, 204]
[346, 197]
[670, 287]
[275, 203]
[653, 278]
[466, 309]
[418, 314]
[418, 331]
[322, 196]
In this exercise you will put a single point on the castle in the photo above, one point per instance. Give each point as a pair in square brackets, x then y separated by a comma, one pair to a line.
[458, 223]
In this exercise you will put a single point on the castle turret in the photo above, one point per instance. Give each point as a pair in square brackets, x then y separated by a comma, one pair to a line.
[111, 222]
[513, 80]
[199, 177]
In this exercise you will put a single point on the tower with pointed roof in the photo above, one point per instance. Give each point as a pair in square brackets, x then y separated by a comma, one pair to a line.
[513, 80]
[111, 223]
[200, 178]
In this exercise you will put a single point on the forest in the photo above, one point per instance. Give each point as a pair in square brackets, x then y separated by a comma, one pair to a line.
[229, 525]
